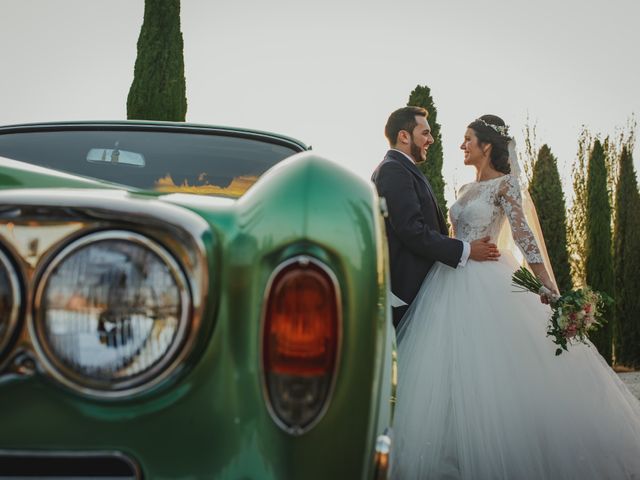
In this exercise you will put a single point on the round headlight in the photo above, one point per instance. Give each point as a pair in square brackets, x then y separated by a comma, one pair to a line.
[9, 301]
[111, 312]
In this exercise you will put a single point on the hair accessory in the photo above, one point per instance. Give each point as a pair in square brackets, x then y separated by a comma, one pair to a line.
[501, 129]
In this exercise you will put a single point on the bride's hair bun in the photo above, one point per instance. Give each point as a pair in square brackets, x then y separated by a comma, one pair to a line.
[492, 129]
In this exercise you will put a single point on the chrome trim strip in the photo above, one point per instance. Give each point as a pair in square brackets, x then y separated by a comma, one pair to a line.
[14, 285]
[302, 260]
[110, 388]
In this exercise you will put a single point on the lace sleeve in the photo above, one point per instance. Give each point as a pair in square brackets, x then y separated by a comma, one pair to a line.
[510, 199]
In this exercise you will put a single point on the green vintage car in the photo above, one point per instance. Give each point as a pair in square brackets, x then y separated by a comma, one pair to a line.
[188, 301]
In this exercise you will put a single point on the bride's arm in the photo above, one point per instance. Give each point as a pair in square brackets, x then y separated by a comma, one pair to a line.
[511, 201]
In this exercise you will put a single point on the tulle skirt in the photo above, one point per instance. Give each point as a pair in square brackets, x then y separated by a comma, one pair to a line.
[482, 395]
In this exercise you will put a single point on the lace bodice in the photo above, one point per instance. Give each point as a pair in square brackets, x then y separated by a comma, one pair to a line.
[483, 207]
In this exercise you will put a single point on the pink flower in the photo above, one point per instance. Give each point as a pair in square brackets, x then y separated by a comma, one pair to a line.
[572, 316]
[571, 331]
[587, 308]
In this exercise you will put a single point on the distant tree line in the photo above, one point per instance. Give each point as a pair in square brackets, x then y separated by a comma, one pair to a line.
[604, 241]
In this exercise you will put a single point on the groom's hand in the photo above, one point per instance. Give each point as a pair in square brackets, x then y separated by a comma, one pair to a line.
[482, 250]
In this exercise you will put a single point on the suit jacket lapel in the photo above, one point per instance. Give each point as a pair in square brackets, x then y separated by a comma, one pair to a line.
[413, 168]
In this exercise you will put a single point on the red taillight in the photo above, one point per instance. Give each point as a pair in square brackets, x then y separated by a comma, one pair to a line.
[301, 323]
[300, 341]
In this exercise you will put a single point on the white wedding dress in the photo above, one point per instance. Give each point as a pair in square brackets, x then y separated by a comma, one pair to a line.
[481, 393]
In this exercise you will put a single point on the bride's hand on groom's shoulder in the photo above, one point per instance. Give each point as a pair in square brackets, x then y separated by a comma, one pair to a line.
[482, 250]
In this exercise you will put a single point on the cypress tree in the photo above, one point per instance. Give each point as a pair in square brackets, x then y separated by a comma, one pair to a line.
[627, 263]
[546, 192]
[577, 233]
[158, 91]
[598, 261]
[432, 168]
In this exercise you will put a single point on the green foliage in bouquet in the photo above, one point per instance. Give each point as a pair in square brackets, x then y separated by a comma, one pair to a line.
[574, 314]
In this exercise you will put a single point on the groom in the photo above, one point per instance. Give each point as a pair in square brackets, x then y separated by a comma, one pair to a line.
[416, 230]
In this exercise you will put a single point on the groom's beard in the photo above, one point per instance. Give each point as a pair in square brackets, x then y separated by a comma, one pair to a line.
[416, 152]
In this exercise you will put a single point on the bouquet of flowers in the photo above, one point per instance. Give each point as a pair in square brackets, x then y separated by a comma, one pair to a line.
[574, 314]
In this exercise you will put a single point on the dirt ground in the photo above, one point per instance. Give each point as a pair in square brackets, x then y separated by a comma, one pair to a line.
[632, 379]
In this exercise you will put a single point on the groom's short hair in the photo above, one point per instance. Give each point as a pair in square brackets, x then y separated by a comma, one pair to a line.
[402, 119]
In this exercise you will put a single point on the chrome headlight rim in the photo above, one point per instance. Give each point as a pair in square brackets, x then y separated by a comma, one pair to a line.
[16, 303]
[113, 389]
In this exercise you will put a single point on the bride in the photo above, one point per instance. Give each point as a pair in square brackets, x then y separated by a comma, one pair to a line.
[481, 393]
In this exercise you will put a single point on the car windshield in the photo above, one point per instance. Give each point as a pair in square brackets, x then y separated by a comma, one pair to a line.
[167, 161]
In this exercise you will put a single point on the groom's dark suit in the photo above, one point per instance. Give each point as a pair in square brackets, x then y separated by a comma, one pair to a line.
[416, 230]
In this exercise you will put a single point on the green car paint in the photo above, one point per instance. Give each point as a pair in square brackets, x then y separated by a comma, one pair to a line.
[210, 419]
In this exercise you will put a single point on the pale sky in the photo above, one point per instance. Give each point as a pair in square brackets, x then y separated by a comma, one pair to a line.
[330, 72]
